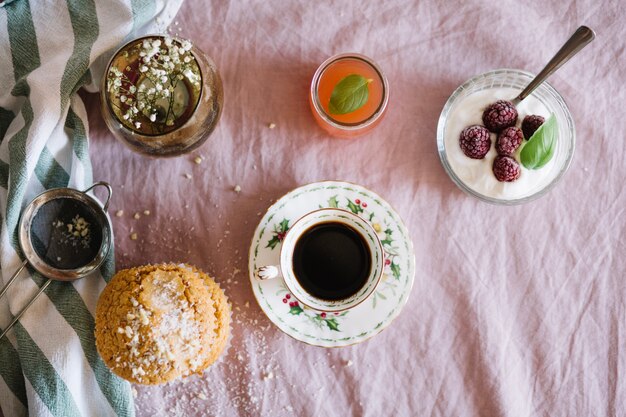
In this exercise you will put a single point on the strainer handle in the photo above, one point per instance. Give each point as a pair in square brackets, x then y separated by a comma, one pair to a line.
[109, 191]
[30, 303]
[10, 282]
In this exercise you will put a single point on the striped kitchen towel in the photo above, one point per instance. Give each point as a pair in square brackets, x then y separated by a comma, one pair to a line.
[49, 365]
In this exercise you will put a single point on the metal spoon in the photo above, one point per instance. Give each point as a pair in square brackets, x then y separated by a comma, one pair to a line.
[574, 44]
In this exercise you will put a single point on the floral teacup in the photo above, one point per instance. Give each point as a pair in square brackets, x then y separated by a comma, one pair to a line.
[285, 269]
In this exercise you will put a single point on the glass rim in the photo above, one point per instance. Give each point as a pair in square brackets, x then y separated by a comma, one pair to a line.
[319, 109]
[441, 148]
[104, 86]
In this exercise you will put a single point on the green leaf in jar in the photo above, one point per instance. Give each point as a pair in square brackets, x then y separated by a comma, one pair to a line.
[539, 149]
[350, 94]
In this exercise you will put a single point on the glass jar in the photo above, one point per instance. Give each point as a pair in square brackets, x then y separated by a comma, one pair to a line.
[161, 96]
[362, 120]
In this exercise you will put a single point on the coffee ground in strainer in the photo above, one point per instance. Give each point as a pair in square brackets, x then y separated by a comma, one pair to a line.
[65, 233]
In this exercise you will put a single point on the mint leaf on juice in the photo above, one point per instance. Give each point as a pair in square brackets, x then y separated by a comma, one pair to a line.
[350, 94]
[539, 149]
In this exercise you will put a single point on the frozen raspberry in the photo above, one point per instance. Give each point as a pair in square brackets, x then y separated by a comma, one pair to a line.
[509, 140]
[499, 115]
[530, 124]
[506, 169]
[475, 141]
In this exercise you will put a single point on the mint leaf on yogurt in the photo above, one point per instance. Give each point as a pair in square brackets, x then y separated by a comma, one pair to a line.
[540, 148]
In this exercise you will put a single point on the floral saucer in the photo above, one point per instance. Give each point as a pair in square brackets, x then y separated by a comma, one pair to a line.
[368, 318]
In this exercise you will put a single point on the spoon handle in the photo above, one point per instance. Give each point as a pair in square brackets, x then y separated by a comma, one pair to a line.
[574, 44]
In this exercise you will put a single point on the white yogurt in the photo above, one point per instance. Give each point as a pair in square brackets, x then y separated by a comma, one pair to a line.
[477, 174]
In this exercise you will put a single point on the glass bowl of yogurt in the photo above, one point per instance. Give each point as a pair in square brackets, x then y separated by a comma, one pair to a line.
[465, 108]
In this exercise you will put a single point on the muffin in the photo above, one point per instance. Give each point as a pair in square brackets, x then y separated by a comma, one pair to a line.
[156, 323]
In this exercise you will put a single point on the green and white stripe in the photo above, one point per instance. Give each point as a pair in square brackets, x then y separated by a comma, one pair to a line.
[49, 364]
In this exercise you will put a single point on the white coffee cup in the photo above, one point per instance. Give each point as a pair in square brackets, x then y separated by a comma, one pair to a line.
[285, 269]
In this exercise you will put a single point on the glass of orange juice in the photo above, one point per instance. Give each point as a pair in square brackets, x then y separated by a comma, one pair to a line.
[349, 95]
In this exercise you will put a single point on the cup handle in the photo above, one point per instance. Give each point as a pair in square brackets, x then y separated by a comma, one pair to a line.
[267, 272]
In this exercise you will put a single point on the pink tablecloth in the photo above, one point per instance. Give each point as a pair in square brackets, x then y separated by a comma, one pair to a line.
[515, 311]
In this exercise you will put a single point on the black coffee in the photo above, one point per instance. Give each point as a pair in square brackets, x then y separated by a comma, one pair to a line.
[65, 233]
[331, 261]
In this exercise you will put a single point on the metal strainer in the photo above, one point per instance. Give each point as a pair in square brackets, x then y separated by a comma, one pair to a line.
[64, 234]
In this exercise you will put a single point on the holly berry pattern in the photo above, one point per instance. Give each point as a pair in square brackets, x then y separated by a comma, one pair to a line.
[294, 308]
[331, 323]
[355, 206]
[280, 230]
[318, 319]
